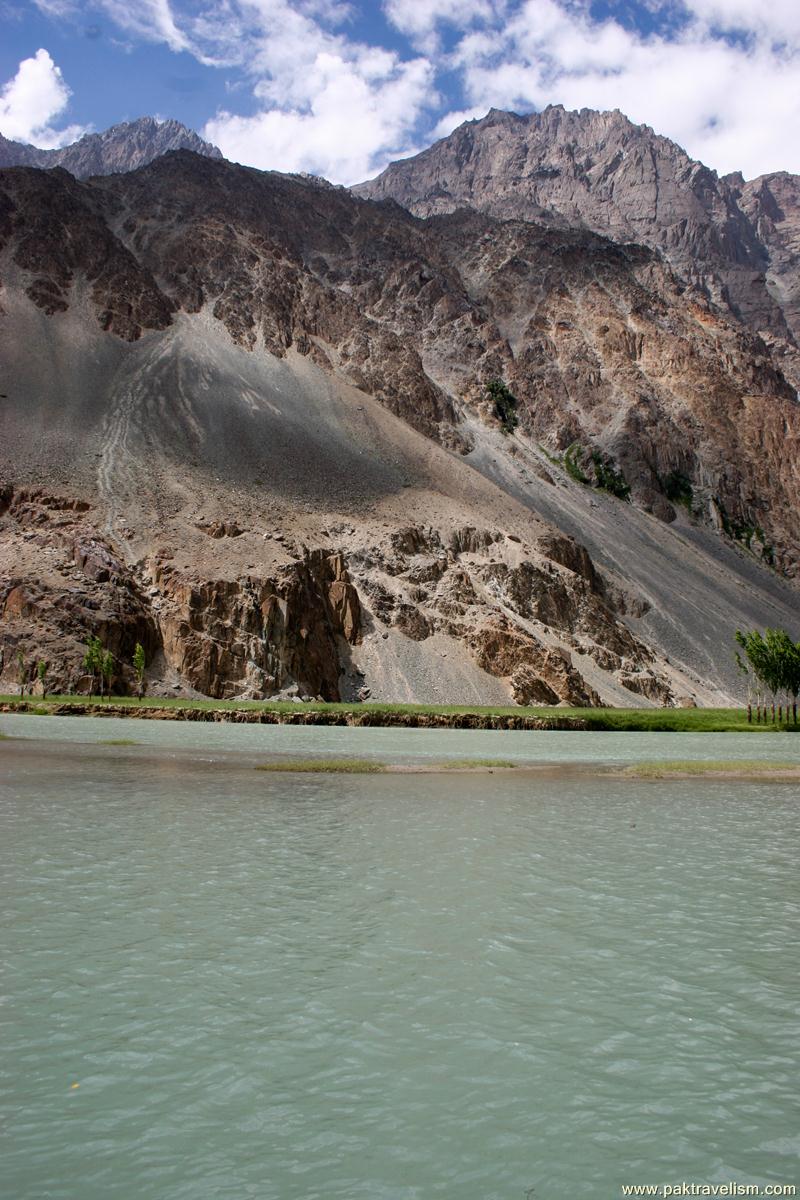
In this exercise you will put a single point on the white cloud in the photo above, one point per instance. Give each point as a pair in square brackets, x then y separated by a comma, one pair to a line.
[779, 20]
[32, 99]
[356, 112]
[419, 19]
[151, 19]
[451, 120]
[326, 104]
[56, 8]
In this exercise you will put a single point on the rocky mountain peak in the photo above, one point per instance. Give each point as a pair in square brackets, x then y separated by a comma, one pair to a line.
[121, 148]
[599, 170]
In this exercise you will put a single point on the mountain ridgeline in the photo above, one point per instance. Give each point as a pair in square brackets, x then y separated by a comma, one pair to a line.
[121, 148]
[529, 432]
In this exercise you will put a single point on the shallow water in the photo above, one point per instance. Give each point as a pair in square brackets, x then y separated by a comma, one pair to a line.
[285, 986]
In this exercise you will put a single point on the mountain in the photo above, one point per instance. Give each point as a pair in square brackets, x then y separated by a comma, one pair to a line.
[247, 421]
[772, 204]
[597, 170]
[120, 148]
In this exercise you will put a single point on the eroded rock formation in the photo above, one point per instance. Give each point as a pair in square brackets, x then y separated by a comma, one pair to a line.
[295, 633]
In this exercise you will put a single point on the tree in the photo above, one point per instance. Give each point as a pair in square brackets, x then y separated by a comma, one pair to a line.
[22, 672]
[92, 660]
[41, 671]
[787, 656]
[758, 657]
[793, 685]
[107, 668]
[139, 666]
[774, 661]
[608, 478]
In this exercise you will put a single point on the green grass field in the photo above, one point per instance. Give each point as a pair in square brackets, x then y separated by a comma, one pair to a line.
[668, 720]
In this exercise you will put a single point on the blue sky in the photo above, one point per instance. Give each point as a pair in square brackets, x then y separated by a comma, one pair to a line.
[340, 87]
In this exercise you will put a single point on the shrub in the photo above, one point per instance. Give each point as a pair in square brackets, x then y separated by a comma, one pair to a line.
[505, 405]
[678, 489]
[571, 464]
[608, 478]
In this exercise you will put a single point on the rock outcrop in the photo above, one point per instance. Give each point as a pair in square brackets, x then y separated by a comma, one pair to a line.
[257, 637]
[522, 616]
[222, 638]
[295, 633]
[772, 203]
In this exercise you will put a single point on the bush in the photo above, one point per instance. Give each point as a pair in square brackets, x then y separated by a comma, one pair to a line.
[746, 533]
[678, 489]
[608, 478]
[505, 405]
[571, 464]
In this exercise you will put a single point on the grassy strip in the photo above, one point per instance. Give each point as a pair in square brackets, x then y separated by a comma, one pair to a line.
[118, 742]
[656, 720]
[691, 767]
[474, 764]
[327, 766]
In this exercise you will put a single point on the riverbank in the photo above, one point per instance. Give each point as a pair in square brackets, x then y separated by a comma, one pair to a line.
[409, 716]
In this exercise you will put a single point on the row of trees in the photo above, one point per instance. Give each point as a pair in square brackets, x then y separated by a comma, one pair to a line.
[99, 663]
[772, 665]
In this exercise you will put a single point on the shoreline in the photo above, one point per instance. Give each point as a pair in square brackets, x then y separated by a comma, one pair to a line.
[398, 716]
[297, 715]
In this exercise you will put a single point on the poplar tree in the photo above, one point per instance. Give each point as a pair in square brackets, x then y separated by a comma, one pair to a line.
[92, 661]
[139, 666]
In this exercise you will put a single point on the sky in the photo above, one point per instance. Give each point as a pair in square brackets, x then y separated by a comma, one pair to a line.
[340, 88]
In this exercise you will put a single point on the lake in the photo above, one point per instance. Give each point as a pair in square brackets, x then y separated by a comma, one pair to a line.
[333, 987]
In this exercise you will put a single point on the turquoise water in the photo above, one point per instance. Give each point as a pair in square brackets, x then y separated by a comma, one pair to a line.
[397, 986]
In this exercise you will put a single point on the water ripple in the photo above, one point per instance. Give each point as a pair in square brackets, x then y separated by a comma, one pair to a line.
[390, 987]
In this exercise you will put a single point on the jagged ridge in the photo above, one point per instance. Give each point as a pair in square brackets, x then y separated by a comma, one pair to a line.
[123, 147]
[599, 170]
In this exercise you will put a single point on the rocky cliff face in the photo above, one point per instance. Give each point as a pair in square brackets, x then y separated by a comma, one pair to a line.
[62, 582]
[772, 204]
[270, 398]
[600, 171]
[607, 353]
[120, 148]
[518, 615]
